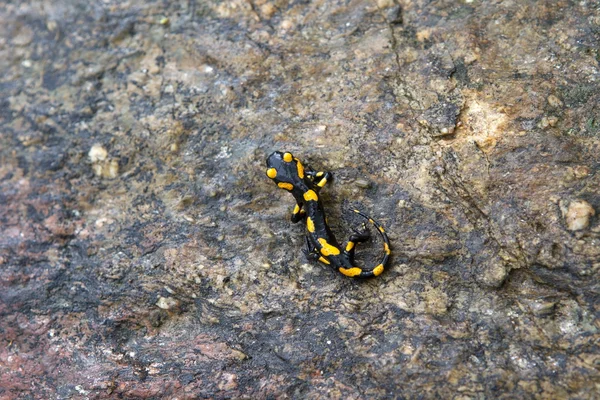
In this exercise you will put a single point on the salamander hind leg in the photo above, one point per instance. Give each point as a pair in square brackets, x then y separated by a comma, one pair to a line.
[310, 252]
[359, 236]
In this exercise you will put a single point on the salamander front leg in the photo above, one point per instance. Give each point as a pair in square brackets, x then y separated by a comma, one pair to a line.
[320, 177]
[298, 214]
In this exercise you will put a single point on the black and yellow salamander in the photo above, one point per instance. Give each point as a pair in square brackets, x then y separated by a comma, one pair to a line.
[304, 184]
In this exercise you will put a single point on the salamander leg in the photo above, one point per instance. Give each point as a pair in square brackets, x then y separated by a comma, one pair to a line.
[310, 252]
[319, 177]
[298, 214]
[359, 236]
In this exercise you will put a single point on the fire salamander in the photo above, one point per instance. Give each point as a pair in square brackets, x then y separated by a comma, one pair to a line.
[304, 184]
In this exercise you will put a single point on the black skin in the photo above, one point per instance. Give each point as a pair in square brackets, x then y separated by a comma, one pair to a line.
[284, 170]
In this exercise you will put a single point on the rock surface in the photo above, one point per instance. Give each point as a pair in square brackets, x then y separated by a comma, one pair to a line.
[144, 254]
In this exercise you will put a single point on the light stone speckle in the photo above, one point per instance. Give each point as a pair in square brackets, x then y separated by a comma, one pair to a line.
[578, 215]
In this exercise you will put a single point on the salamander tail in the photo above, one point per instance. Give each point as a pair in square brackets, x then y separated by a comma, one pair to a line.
[378, 269]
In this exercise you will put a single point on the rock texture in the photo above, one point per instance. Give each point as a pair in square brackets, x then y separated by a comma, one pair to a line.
[144, 254]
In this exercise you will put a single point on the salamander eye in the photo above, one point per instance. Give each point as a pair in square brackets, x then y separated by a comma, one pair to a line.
[271, 173]
[287, 157]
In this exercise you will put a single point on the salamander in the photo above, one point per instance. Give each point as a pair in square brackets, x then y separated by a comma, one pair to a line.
[304, 184]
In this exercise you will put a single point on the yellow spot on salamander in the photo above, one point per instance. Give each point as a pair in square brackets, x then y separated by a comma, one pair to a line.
[351, 271]
[300, 169]
[322, 182]
[319, 174]
[371, 221]
[272, 173]
[386, 248]
[310, 195]
[327, 249]
[285, 185]
[381, 229]
[310, 225]
[296, 209]
[356, 211]
[287, 157]
[349, 246]
[378, 270]
[324, 260]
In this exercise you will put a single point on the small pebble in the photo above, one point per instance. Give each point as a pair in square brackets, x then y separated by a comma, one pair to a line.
[51, 25]
[581, 171]
[167, 303]
[101, 164]
[541, 307]
[286, 25]
[97, 153]
[554, 101]
[363, 183]
[112, 170]
[495, 274]
[385, 3]
[578, 215]
[268, 10]
[548, 121]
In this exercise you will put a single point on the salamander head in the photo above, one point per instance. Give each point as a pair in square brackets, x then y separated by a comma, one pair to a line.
[282, 167]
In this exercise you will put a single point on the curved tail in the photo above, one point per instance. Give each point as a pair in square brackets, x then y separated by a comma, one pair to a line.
[378, 269]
